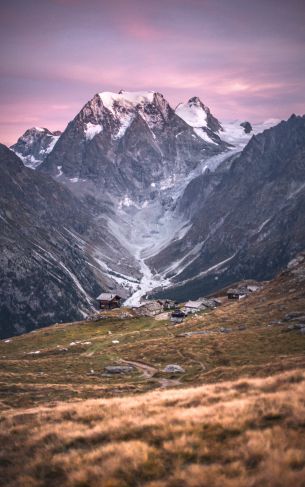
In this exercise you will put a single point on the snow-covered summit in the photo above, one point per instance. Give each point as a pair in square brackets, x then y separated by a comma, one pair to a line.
[129, 99]
[119, 110]
[197, 115]
[34, 145]
[193, 112]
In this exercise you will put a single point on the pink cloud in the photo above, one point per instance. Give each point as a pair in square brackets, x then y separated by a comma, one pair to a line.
[239, 57]
[139, 29]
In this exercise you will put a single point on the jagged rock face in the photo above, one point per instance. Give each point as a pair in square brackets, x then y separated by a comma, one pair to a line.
[54, 259]
[125, 142]
[247, 220]
[34, 145]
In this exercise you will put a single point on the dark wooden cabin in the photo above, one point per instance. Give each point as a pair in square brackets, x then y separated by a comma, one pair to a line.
[236, 293]
[109, 301]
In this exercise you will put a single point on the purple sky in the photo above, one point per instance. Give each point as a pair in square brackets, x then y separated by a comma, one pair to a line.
[244, 59]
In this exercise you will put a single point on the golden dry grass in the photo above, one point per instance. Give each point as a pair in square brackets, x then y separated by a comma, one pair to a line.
[242, 433]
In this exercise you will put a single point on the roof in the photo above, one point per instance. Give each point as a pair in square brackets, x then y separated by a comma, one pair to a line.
[193, 304]
[237, 291]
[166, 301]
[107, 297]
[253, 288]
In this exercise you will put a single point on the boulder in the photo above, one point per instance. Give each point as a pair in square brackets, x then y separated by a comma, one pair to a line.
[173, 369]
[241, 327]
[293, 315]
[223, 329]
[118, 369]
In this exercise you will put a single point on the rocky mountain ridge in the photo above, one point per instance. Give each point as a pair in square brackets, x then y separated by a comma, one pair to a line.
[246, 217]
[125, 144]
[34, 145]
[54, 259]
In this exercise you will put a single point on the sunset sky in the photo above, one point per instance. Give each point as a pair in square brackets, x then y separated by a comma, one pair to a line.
[244, 59]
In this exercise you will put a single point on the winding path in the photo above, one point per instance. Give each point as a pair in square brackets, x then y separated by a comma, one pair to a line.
[148, 372]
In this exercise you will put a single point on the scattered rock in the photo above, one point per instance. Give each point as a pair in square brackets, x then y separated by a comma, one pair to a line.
[118, 369]
[97, 317]
[223, 329]
[300, 318]
[299, 326]
[296, 326]
[115, 341]
[296, 261]
[191, 333]
[241, 327]
[173, 369]
[126, 315]
[294, 315]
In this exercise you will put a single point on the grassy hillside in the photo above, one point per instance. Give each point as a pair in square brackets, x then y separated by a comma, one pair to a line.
[241, 433]
[235, 416]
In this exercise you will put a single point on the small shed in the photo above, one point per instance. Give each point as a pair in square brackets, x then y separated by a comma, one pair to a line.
[193, 307]
[149, 308]
[109, 301]
[177, 316]
[208, 303]
[237, 293]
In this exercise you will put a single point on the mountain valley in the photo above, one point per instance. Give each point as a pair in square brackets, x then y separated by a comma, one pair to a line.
[177, 204]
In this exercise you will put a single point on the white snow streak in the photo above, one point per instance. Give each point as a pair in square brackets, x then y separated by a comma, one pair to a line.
[204, 136]
[77, 283]
[91, 130]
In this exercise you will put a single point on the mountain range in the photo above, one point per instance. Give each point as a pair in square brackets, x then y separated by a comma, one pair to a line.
[138, 197]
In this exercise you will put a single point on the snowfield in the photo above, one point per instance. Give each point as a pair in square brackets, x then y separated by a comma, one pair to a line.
[146, 227]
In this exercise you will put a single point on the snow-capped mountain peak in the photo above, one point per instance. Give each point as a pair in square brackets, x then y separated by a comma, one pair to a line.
[127, 99]
[34, 145]
[116, 112]
[198, 115]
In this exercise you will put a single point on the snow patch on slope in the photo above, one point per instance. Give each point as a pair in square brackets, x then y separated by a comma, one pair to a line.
[203, 135]
[234, 134]
[29, 161]
[91, 130]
